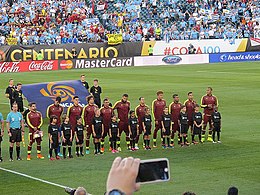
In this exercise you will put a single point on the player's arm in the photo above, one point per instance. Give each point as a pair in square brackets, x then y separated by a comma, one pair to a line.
[93, 130]
[68, 112]
[118, 135]
[137, 128]
[171, 124]
[170, 108]
[49, 134]
[83, 116]
[2, 125]
[8, 125]
[41, 121]
[22, 125]
[48, 112]
[216, 99]
[136, 111]
[202, 103]
[103, 129]
[76, 136]
[153, 109]
[110, 132]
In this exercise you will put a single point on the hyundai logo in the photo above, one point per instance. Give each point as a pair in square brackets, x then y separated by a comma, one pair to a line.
[171, 59]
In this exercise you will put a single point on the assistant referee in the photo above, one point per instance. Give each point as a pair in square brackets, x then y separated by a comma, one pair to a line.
[15, 127]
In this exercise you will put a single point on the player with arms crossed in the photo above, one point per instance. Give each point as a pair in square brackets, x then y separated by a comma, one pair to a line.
[158, 106]
[88, 115]
[35, 121]
[123, 108]
[208, 102]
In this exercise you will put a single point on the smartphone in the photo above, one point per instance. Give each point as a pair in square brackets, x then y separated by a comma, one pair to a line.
[153, 171]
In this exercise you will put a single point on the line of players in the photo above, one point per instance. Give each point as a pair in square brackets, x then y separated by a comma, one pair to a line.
[102, 122]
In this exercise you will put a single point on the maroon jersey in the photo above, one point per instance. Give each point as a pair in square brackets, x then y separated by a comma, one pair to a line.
[106, 113]
[157, 108]
[72, 113]
[140, 112]
[174, 110]
[190, 106]
[123, 109]
[206, 100]
[34, 119]
[55, 110]
[89, 113]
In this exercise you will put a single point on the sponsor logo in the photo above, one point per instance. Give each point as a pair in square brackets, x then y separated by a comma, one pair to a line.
[223, 58]
[235, 57]
[66, 64]
[172, 59]
[9, 67]
[41, 65]
[104, 63]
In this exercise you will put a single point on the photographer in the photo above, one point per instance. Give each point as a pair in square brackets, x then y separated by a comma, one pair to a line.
[191, 49]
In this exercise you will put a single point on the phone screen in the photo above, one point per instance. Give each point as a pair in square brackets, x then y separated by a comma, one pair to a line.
[153, 170]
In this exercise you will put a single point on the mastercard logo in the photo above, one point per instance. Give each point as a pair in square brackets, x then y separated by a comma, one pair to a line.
[66, 64]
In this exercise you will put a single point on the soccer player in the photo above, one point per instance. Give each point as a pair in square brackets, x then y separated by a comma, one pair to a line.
[140, 112]
[208, 102]
[66, 134]
[88, 115]
[98, 130]
[123, 108]
[35, 121]
[133, 129]
[216, 123]
[15, 128]
[2, 127]
[96, 90]
[114, 133]
[9, 92]
[184, 125]
[79, 134]
[147, 127]
[190, 106]
[174, 110]
[74, 111]
[18, 97]
[84, 82]
[157, 108]
[53, 132]
[166, 127]
[106, 112]
[198, 122]
[56, 110]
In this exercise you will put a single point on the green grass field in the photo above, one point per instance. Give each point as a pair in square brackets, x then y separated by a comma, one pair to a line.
[205, 169]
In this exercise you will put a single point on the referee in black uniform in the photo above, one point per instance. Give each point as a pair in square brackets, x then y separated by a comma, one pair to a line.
[9, 92]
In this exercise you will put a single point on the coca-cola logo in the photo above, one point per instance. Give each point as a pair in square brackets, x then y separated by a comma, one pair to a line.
[9, 67]
[41, 65]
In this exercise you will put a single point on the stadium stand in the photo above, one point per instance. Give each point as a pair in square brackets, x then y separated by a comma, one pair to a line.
[72, 21]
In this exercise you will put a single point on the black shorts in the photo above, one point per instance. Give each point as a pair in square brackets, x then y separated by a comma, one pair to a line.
[55, 143]
[98, 136]
[167, 132]
[184, 129]
[20, 106]
[16, 135]
[148, 131]
[216, 128]
[67, 141]
[81, 140]
[114, 138]
[133, 135]
[196, 130]
[1, 139]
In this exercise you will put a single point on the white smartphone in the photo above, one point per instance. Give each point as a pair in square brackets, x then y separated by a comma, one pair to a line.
[153, 171]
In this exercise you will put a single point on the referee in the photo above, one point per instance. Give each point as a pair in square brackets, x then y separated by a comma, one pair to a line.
[15, 127]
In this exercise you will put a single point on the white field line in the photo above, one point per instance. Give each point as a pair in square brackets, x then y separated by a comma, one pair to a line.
[246, 73]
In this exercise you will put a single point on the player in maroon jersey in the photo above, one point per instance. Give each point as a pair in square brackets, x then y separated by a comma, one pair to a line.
[190, 104]
[158, 106]
[106, 113]
[74, 111]
[88, 115]
[123, 108]
[174, 110]
[56, 110]
[140, 112]
[35, 121]
[208, 102]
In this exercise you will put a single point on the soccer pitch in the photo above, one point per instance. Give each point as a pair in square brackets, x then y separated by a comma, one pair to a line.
[205, 169]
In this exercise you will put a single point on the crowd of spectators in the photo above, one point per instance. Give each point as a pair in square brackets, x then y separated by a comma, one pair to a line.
[72, 21]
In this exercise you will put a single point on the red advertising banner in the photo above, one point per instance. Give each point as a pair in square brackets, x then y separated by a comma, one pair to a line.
[28, 66]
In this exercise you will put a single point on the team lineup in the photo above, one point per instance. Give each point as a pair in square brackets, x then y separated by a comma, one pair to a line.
[100, 120]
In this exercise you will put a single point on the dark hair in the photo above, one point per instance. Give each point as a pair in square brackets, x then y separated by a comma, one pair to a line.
[75, 97]
[233, 191]
[82, 75]
[31, 103]
[125, 95]
[78, 117]
[14, 104]
[18, 84]
[175, 95]
[140, 98]
[210, 88]
[58, 99]
[96, 80]
[159, 92]
[188, 193]
[165, 107]
[189, 92]
[106, 99]
[131, 112]
[52, 118]
[146, 109]
[11, 80]
[89, 97]
[183, 106]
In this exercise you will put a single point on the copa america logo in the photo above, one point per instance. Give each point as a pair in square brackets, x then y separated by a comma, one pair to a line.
[223, 58]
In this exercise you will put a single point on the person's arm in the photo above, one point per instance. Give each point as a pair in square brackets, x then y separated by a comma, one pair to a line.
[76, 136]
[110, 133]
[22, 126]
[93, 130]
[41, 121]
[129, 129]
[102, 130]
[203, 104]
[8, 128]
[83, 117]
[50, 137]
[118, 133]
[62, 136]
[71, 135]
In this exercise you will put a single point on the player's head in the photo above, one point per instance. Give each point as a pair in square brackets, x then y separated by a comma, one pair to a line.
[32, 106]
[125, 97]
[132, 113]
[95, 82]
[97, 112]
[147, 110]
[79, 120]
[19, 86]
[106, 102]
[15, 107]
[183, 108]
[197, 107]
[76, 100]
[188, 193]
[82, 78]
[57, 101]
[11, 82]
[90, 99]
[215, 108]
[166, 110]
[176, 98]
[113, 118]
[53, 119]
[209, 91]
[233, 191]
[190, 95]
[159, 95]
[141, 99]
